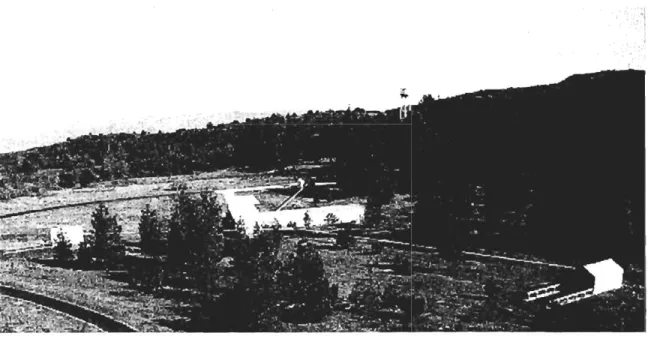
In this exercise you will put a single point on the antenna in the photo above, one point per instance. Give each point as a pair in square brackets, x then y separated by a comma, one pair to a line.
[404, 109]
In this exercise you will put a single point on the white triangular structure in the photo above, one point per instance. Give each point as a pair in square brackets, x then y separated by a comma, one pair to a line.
[608, 275]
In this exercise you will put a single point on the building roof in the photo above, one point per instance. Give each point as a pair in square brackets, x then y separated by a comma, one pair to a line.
[604, 268]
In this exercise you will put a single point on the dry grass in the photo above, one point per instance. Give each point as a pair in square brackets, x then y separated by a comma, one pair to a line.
[92, 289]
[457, 301]
[21, 316]
[128, 213]
[141, 187]
[36, 226]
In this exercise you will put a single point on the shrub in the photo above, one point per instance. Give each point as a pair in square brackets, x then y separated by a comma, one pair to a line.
[365, 298]
[292, 225]
[276, 224]
[86, 177]
[266, 242]
[148, 273]
[240, 226]
[179, 186]
[412, 305]
[67, 179]
[84, 252]
[151, 232]
[63, 249]
[252, 303]
[7, 328]
[402, 265]
[377, 247]
[306, 288]
[344, 239]
[331, 219]
[107, 244]
[373, 212]
[307, 220]
[391, 297]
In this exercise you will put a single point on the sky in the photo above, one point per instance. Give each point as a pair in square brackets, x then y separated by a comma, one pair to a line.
[68, 68]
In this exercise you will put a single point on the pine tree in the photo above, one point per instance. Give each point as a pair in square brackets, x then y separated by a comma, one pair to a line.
[107, 247]
[84, 252]
[151, 232]
[305, 284]
[195, 241]
[63, 249]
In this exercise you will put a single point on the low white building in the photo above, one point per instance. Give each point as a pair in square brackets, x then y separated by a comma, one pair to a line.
[608, 275]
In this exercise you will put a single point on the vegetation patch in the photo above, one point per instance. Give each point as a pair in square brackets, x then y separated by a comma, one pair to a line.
[21, 316]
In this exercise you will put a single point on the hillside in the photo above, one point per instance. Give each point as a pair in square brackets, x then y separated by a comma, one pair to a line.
[559, 164]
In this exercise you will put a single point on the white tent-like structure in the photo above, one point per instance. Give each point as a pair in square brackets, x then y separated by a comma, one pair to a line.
[608, 275]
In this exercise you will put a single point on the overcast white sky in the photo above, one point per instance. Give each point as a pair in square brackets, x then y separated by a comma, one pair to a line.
[71, 67]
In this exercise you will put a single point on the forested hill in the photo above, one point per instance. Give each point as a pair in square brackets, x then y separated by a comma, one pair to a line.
[565, 162]
[351, 137]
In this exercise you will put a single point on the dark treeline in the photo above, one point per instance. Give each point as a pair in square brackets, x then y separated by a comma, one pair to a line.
[557, 169]
[358, 143]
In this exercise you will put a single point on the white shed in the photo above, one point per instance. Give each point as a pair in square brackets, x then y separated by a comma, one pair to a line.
[608, 275]
[72, 233]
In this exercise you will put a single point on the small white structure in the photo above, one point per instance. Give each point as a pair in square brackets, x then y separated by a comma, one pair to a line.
[608, 275]
[242, 207]
[72, 233]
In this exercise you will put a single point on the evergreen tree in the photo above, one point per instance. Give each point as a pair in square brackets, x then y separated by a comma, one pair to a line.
[107, 247]
[63, 249]
[151, 232]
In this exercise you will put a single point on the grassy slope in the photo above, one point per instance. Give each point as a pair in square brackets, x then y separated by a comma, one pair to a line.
[21, 316]
[128, 212]
[92, 289]
[141, 187]
[454, 294]
[456, 298]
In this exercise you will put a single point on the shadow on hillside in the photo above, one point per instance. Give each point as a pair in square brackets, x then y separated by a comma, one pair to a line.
[586, 316]
[177, 325]
[72, 265]
[182, 323]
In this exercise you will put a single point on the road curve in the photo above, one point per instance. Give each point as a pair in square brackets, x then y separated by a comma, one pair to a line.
[85, 323]
[102, 321]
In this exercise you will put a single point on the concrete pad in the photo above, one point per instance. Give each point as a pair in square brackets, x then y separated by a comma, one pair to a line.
[346, 214]
[243, 207]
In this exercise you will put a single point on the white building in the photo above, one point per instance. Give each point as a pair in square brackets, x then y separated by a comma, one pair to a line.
[608, 275]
